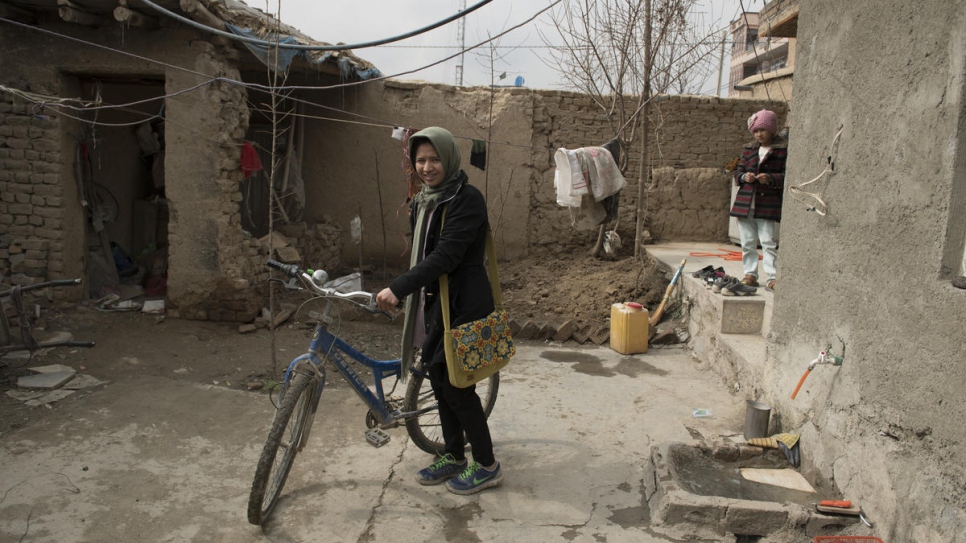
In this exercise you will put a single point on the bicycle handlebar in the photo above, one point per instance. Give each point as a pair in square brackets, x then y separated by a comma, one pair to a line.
[366, 300]
[288, 269]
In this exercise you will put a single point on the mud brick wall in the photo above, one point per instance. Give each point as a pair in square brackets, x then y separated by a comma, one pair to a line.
[319, 245]
[31, 196]
[687, 203]
[688, 133]
[210, 273]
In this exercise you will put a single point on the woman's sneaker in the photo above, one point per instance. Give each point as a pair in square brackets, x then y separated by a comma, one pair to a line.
[474, 479]
[442, 470]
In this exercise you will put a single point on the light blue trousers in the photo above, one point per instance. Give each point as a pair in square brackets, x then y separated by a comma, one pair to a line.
[753, 231]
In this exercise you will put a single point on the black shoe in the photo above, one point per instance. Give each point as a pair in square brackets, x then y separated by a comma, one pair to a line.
[703, 272]
[738, 289]
[722, 282]
[710, 279]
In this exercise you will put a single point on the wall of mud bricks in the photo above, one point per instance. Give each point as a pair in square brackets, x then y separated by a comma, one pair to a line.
[694, 135]
[211, 265]
[31, 198]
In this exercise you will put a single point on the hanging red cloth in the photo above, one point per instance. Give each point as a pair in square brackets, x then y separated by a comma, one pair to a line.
[250, 163]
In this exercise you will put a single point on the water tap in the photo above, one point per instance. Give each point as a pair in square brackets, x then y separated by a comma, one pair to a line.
[824, 357]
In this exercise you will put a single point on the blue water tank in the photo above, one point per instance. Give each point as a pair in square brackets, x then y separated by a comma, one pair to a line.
[518, 81]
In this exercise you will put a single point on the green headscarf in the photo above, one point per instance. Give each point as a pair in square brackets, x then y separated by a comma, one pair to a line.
[426, 200]
[442, 140]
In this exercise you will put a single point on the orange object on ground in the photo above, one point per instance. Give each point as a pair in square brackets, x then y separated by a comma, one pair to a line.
[724, 254]
[835, 503]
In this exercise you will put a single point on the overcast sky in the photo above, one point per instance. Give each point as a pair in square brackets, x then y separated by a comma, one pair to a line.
[359, 21]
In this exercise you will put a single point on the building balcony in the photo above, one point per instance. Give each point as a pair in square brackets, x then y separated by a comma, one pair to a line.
[779, 19]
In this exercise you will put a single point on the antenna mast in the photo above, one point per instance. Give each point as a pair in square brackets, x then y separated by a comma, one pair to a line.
[461, 39]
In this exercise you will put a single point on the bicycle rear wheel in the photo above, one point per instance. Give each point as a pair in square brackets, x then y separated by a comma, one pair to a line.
[283, 443]
[425, 429]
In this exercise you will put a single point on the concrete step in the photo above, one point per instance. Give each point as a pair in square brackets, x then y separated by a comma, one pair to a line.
[729, 333]
[731, 314]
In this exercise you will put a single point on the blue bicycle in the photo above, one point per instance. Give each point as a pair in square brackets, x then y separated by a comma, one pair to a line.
[305, 378]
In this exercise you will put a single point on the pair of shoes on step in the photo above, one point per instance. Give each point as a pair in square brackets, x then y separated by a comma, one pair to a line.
[732, 286]
[707, 271]
[708, 275]
[459, 476]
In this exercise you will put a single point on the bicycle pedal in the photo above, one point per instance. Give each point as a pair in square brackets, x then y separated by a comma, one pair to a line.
[377, 437]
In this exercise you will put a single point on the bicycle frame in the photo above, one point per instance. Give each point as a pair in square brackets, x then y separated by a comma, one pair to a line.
[327, 346]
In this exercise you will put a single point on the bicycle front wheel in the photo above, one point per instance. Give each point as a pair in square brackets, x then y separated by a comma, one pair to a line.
[283, 443]
[425, 429]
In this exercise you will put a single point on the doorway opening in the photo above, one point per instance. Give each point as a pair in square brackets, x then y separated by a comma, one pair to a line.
[119, 171]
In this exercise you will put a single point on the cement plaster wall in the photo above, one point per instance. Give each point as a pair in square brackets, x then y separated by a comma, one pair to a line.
[874, 273]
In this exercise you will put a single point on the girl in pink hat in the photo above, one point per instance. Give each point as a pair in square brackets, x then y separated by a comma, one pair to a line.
[760, 177]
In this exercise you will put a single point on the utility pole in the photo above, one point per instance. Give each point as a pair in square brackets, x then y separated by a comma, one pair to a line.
[717, 90]
[461, 40]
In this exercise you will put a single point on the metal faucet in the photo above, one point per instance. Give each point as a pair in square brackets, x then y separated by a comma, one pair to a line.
[824, 357]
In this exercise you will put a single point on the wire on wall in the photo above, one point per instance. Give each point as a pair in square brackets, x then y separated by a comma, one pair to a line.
[797, 193]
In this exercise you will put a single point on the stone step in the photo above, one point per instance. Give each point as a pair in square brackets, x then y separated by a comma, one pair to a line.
[726, 314]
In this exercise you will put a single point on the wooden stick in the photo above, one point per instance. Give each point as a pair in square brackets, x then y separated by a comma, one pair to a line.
[659, 312]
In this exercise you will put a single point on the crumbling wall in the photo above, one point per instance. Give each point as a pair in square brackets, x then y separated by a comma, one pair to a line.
[210, 273]
[42, 223]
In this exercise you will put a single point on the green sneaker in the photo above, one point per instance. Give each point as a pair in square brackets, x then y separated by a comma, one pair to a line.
[444, 468]
[474, 479]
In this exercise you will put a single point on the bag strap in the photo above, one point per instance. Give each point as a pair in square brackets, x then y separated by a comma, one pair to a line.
[491, 266]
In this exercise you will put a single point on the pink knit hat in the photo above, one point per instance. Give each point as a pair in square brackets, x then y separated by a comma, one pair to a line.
[764, 119]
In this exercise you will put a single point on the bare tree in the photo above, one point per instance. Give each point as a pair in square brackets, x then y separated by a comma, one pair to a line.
[623, 52]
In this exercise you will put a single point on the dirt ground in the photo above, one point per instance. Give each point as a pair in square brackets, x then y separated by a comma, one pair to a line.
[132, 344]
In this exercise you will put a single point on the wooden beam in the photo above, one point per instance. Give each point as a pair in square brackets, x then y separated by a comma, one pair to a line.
[74, 15]
[200, 14]
[130, 17]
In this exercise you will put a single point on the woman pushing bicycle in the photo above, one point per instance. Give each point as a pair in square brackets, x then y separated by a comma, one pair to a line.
[449, 224]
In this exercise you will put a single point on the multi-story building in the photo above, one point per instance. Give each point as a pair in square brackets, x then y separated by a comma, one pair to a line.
[761, 63]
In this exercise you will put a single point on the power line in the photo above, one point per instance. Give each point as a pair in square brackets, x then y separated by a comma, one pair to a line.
[299, 47]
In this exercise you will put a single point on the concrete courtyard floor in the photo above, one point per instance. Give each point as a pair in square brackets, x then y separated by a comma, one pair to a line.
[573, 428]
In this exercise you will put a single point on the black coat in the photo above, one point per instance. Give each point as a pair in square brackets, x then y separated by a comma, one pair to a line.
[457, 247]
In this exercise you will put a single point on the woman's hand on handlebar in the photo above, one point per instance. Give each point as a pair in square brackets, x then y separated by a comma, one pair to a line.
[386, 300]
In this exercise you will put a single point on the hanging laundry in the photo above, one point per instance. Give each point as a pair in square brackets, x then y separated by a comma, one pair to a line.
[614, 147]
[588, 181]
[250, 163]
[478, 154]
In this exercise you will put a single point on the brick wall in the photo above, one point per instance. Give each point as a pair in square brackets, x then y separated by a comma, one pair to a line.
[31, 195]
